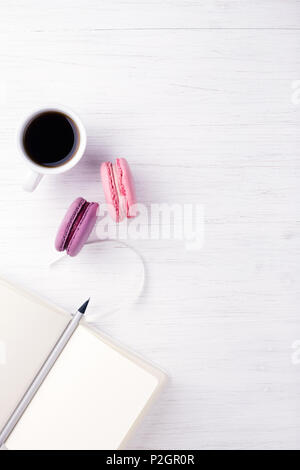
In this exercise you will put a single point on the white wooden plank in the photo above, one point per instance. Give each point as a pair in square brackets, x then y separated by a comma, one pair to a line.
[68, 15]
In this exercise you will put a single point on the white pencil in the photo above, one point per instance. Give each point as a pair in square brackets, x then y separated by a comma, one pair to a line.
[43, 372]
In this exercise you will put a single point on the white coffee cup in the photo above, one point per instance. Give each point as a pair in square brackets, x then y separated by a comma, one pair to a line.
[37, 170]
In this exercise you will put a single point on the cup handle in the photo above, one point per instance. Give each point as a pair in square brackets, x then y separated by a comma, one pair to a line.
[32, 181]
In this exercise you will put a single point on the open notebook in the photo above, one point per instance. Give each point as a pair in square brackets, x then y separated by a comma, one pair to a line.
[93, 396]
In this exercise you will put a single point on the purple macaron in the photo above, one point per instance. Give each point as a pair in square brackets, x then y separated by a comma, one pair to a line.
[76, 226]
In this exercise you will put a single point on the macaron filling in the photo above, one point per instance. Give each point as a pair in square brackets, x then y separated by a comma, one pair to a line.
[120, 192]
[115, 190]
[60, 242]
[119, 173]
[76, 223]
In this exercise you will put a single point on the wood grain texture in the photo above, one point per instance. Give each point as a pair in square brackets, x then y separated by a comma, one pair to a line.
[198, 96]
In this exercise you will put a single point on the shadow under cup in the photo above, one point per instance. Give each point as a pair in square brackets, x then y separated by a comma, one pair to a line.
[51, 139]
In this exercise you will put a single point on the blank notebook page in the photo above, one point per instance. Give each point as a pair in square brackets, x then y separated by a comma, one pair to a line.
[90, 399]
[29, 328]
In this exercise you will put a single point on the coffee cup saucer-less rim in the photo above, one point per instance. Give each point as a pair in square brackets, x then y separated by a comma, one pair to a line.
[38, 171]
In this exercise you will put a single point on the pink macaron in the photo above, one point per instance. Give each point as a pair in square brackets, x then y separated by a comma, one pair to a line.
[118, 186]
[76, 226]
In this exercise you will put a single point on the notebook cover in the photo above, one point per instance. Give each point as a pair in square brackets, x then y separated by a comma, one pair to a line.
[92, 398]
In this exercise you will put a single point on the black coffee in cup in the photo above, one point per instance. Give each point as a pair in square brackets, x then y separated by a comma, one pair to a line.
[51, 139]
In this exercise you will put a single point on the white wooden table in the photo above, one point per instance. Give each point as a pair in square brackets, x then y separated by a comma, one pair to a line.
[199, 96]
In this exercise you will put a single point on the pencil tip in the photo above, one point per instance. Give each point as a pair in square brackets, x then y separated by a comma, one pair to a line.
[83, 307]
